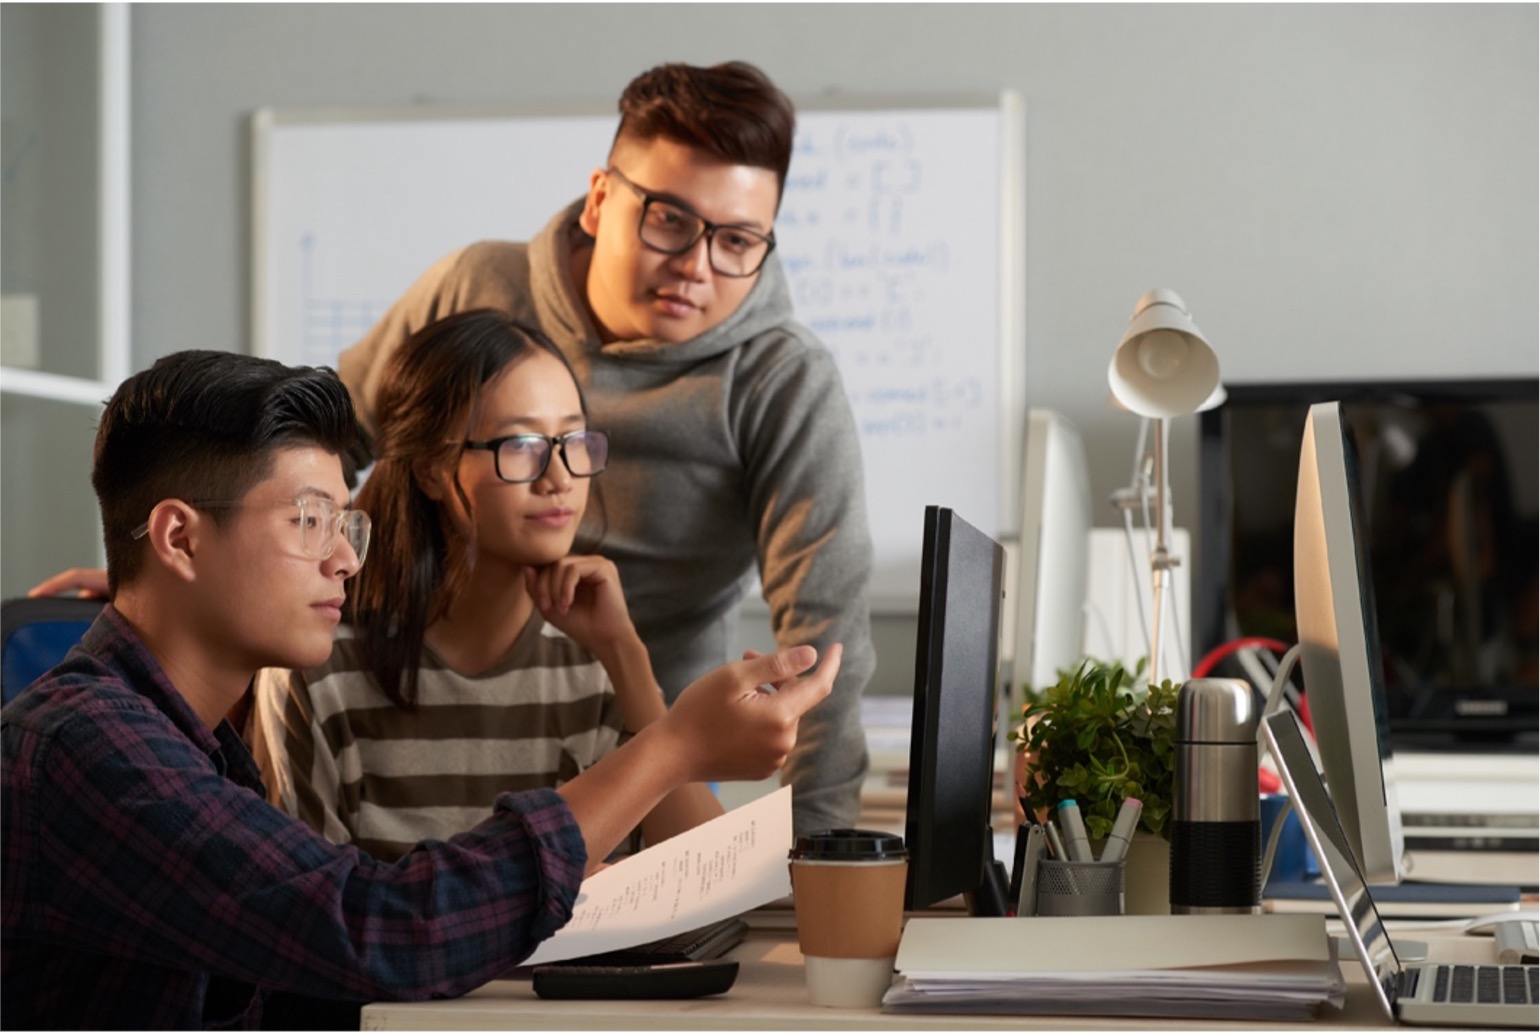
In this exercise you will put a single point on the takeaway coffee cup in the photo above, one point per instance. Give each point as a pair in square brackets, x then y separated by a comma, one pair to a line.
[848, 890]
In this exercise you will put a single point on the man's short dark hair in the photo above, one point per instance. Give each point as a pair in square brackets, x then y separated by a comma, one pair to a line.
[203, 425]
[731, 111]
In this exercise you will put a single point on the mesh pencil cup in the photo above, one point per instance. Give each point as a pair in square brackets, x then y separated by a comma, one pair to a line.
[1079, 888]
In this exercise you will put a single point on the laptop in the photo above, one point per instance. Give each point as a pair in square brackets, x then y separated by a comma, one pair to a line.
[1451, 995]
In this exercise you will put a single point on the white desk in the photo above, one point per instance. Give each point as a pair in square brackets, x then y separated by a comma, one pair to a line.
[770, 994]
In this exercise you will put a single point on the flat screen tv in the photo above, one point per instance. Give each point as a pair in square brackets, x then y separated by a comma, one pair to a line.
[952, 740]
[1448, 472]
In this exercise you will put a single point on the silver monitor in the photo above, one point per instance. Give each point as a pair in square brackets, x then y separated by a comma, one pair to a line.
[1340, 646]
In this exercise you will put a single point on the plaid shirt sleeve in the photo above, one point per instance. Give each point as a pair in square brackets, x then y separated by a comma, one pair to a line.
[129, 842]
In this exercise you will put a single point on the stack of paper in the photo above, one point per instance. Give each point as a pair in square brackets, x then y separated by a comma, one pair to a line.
[1225, 966]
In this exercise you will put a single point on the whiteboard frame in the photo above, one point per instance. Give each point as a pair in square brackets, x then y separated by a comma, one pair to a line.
[1011, 283]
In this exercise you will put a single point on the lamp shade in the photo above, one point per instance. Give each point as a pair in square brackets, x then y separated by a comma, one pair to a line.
[1164, 366]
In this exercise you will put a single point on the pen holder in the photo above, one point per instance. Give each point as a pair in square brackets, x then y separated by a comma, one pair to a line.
[1079, 888]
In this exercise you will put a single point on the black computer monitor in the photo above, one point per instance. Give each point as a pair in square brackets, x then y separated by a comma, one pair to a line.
[1451, 523]
[952, 741]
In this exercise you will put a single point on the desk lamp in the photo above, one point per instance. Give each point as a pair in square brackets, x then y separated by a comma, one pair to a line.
[1163, 368]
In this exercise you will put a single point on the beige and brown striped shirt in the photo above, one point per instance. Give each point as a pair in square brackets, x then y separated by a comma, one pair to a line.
[338, 754]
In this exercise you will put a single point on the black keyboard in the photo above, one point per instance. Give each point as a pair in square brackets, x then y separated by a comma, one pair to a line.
[1479, 820]
[1510, 984]
[703, 943]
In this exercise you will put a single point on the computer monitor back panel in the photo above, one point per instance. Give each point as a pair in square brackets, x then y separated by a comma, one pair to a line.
[951, 768]
[1056, 522]
[1339, 645]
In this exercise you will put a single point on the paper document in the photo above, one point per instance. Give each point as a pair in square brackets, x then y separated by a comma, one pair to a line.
[728, 866]
[1007, 948]
[1221, 966]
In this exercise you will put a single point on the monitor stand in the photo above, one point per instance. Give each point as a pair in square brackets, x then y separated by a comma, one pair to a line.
[989, 898]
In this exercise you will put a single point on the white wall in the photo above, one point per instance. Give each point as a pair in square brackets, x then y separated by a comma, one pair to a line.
[1337, 190]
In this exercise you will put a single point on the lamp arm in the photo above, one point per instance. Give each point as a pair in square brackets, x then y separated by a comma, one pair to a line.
[1179, 635]
[1134, 567]
[1137, 494]
[1160, 558]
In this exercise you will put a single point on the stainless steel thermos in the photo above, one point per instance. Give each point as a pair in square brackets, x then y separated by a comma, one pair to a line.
[1215, 811]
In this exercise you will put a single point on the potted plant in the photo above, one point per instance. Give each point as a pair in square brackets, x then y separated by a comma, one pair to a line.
[1101, 734]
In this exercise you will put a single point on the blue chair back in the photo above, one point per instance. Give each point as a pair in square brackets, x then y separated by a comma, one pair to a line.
[35, 634]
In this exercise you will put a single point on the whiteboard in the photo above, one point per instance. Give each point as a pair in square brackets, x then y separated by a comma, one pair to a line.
[900, 231]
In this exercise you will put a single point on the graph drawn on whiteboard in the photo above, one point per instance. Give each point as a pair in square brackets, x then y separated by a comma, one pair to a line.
[890, 232]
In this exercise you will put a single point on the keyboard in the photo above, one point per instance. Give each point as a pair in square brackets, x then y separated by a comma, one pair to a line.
[1504, 985]
[1482, 820]
[1472, 832]
[703, 943]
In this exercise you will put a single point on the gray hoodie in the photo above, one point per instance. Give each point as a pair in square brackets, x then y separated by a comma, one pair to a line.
[732, 449]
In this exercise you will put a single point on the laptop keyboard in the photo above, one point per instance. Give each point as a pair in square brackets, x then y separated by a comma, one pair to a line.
[1510, 984]
[1469, 820]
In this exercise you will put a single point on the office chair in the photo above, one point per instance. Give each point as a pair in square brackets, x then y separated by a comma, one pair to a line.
[36, 633]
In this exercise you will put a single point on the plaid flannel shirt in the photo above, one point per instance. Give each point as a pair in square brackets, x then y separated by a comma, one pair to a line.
[146, 883]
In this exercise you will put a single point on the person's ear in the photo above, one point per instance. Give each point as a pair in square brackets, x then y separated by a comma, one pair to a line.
[175, 530]
[598, 190]
[432, 477]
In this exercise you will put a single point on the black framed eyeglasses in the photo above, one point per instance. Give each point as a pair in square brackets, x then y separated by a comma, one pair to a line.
[671, 228]
[524, 458]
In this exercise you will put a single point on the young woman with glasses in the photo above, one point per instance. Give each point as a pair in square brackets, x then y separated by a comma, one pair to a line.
[481, 653]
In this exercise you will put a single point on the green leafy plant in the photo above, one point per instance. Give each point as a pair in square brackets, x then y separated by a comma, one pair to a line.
[1099, 735]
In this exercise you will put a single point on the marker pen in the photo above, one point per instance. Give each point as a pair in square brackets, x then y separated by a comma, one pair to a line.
[1026, 895]
[1074, 832]
[1122, 829]
[1055, 842]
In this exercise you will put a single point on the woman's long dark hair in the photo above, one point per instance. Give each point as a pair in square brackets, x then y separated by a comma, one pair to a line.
[427, 404]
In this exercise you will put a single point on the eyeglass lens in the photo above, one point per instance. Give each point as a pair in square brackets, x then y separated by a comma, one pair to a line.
[322, 522]
[524, 458]
[670, 229]
[673, 230]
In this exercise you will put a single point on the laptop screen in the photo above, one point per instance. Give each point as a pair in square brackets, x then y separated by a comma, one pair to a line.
[1301, 774]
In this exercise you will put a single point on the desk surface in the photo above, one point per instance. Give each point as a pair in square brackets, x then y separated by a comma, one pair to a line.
[770, 994]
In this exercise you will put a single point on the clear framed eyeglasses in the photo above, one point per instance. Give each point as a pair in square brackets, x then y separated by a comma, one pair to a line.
[667, 226]
[319, 524]
[524, 458]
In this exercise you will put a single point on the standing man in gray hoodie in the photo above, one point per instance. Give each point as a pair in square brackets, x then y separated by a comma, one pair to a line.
[734, 444]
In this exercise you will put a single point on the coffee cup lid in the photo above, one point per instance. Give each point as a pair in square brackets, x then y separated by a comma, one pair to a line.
[849, 845]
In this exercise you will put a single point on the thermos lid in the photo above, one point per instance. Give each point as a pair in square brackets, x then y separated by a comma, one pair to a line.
[1217, 711]
[845, 845]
